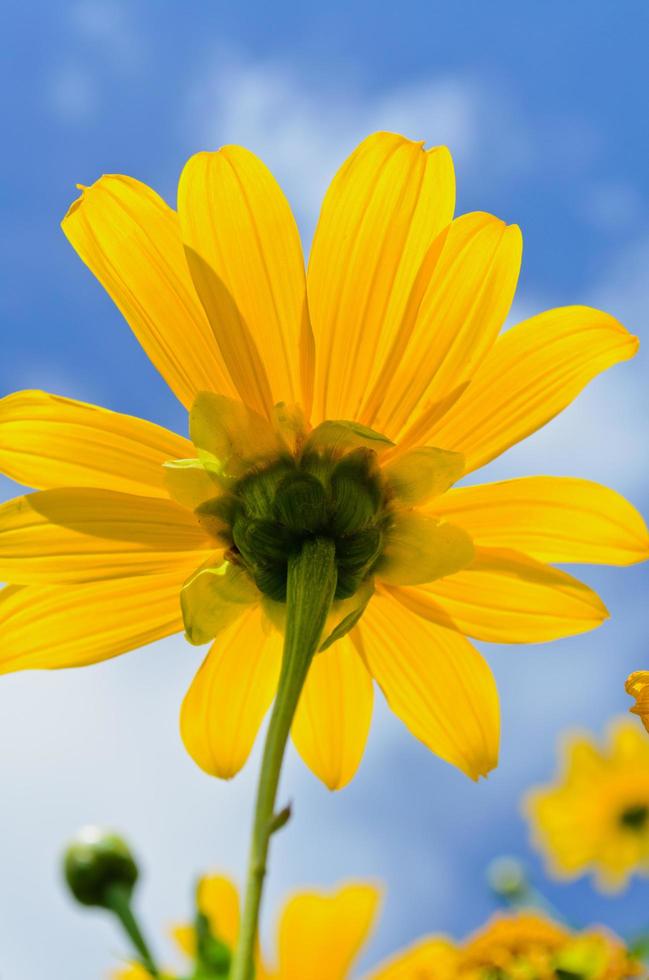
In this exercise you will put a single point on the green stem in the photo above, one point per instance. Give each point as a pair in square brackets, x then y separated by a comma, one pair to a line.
[118, 900]
[310, 591]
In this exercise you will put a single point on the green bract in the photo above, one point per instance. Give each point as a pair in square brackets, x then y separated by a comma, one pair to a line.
[268, 514]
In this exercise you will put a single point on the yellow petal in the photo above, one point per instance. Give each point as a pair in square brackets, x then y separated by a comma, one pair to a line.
[552, 518]
[506, 597]
[214, 597]
[436, 682]
[429, 959]
[130, 239]
[243, 250]
[321, 935]
[419, 549]
[230, 695]
[48, 441]
[333, 717]
[231, 434]
[531, 374]
[386, 204]
[422, 473]
[218, 900]
[637, 685]
[86, 535]
[460, 302]
[46, 627]
[132, 971]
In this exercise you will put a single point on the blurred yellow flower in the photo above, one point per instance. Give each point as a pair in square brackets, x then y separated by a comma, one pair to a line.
[521, 946]
[637, 686]
[320, 936]
[344, 403]
[595, 817]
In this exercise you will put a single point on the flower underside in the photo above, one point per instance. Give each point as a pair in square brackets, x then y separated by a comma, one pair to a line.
[271, 511]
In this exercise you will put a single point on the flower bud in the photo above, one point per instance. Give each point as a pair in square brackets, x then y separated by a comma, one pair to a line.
[507, 878]
[96, 861]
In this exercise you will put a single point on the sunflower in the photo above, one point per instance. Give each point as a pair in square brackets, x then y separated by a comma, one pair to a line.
[637, 685]
[595, 817]
[339, 405]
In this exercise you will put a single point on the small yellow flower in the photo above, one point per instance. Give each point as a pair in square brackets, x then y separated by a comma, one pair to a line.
[319, 937]
[595, 817]
[343, 402]
[637, 686]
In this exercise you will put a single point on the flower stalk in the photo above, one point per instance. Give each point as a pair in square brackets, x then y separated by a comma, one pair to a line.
[311, 586]
[118, 900]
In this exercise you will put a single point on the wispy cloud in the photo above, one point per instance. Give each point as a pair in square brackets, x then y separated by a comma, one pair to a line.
[303, 127]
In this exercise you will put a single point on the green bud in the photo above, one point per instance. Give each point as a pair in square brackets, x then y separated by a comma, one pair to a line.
[506, 877]
[301, 503]
[95, 862]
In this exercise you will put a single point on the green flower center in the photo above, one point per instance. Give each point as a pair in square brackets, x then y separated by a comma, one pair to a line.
[268, 514]
[635, 817]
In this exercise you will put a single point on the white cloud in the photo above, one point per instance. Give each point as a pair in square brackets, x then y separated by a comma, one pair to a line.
[102, 37]
[72, 94]
[109, 27]
[303, 128]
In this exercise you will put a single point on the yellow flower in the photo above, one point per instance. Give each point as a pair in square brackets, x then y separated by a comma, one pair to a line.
[347, 400]
[595, 817]
[319, 937]
[521, 946]
[321, 934]
[637, 685]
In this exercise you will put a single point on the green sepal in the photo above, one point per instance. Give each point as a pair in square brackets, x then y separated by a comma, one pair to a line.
[342, 436]
[423, 473]
[188, 481]
[354, 504]
[213, 956]
[212, 598]
[348, 583]
[360, 550]
[269, 542]
[348, 622]
[271, 580]
[257, 489]
[356, 491]
[217, 516]
[300, 503]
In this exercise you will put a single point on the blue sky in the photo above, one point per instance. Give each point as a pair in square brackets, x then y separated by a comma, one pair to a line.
[544, 108]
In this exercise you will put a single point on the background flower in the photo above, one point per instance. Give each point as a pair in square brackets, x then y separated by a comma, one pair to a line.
[595, 818]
